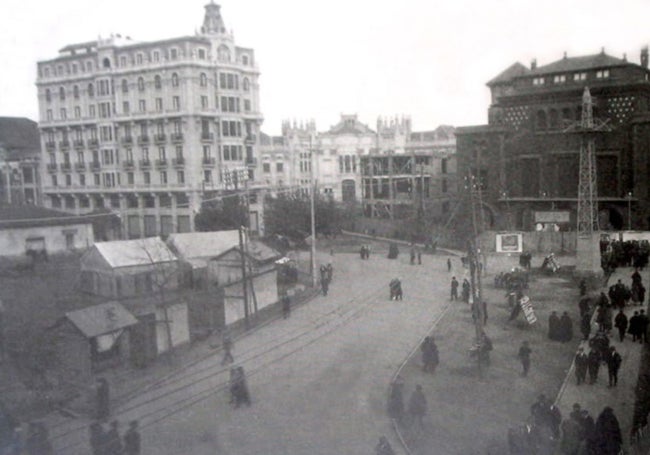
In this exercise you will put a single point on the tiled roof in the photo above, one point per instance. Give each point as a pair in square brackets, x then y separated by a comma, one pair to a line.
[101, 319]
[128, 253]
[514, 70]
[192, 245]
[19, 137]
[587, 62]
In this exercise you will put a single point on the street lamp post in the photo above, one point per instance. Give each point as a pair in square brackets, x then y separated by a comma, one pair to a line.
[629, 211]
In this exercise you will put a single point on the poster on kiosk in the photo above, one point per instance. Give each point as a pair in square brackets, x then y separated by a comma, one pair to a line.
[509, 243]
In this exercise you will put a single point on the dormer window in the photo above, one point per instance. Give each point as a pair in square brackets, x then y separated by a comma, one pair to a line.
[538, 81]
[602, 74]
[559, 79]
[580, 77]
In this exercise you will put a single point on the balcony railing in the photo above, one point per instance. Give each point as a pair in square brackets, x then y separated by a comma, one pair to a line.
[250, 139]
[145, 164]
[79, 143]
[207, 137]
[80, 166]
[208, 161]
[179, 162]
[143, 139]
[161, 163]
[50, 145]
[66, 166]
[177, 137]
[51, 167]
[160, 138]
[95, 165]
[126, 140]
[64, 145]
[128, 164]
[93, 142]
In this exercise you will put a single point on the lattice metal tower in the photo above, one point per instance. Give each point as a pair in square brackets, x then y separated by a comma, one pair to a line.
[587, 189]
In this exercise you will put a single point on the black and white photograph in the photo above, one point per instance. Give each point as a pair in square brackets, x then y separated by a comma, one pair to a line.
[320, 228]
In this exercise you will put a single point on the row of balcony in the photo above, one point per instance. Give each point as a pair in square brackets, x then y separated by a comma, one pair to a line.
[66, 144]
[67, 167]
[130, 164]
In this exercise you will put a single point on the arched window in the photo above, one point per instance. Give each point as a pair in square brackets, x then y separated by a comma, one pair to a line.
[107, 63]
[141, 84]
[75, 92]
[247, 84]
[61, 93]
[157, 82]
[204, 80]
[541, 120]
[125, 86]
[91, 90]
[174, 80]
[553, 119]
[48, 95]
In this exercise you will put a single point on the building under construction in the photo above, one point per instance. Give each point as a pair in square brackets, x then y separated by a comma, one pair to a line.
[526, 160]
[409, 172]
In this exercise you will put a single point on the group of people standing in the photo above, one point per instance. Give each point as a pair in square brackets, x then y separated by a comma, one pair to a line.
[395, 289]
[364, 252]
[417, 404]
[560, 328]
[109, 442]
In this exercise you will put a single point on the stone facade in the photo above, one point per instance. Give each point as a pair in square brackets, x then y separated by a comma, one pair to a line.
[149, 130]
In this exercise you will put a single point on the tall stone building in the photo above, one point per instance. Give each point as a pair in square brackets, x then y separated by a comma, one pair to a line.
[526, 159]
[149, 130]
[20, 154]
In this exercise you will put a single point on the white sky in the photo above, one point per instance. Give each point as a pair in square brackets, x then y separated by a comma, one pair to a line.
[424, 58]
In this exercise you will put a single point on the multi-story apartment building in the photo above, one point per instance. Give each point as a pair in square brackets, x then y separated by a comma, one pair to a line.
[149, 130]
[20, 154]
[526, 159]
[353, 163]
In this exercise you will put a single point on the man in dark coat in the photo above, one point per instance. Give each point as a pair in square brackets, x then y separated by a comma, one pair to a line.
[607, 435]
[581, 363]
[553, 326]
[448, 264]
[565, 328]
[429, 355]
[466, 290]
[633, 328]
[613, 364]
[583, 305]
[454, 288]
[132, 439]
[418, 406]
[524, 357]
[593, 364]
[620, 322]
[113, 440]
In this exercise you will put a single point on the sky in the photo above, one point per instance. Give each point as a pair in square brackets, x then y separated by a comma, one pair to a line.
[425, 59]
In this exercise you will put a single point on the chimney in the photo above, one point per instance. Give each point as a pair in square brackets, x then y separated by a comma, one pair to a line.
[533, 64]
[644, 57]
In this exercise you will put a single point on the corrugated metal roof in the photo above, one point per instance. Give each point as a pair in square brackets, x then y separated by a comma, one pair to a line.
[128, 253]
[101, 319]
[193, 245]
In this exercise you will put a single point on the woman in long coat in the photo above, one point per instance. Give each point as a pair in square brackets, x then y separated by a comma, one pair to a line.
[607, 437]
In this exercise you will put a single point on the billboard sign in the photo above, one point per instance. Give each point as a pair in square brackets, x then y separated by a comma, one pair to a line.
[509, 243]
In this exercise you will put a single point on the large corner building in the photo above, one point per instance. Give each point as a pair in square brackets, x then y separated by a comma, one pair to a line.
[526, 159]
[148, 130]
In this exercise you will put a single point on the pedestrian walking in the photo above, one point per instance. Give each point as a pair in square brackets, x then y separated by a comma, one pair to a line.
[384, 447]
[324, 286]
[584, 306]
[621, 322]
[593, 365]
[330, 272]
[417, 406]
[588, 432]
[430, 356]
[418, 252]
[633, 328]
[396, 400]
[571, 435]
[132, 439]
[466, 290]
[448, 264]
[102, 399]
[226, 343]
[583, 287]
[113, 443]
[524, 357]
[554, 326]
[412, 254]
[286, 306]
[454, 288]
[238, 388]
[607, 435]
[613, 365]
[565, 328]
[581, 363]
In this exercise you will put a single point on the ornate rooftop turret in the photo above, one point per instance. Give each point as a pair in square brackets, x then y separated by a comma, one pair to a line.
[212, 21]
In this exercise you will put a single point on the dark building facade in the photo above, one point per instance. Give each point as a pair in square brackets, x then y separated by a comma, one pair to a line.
[526, 159]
